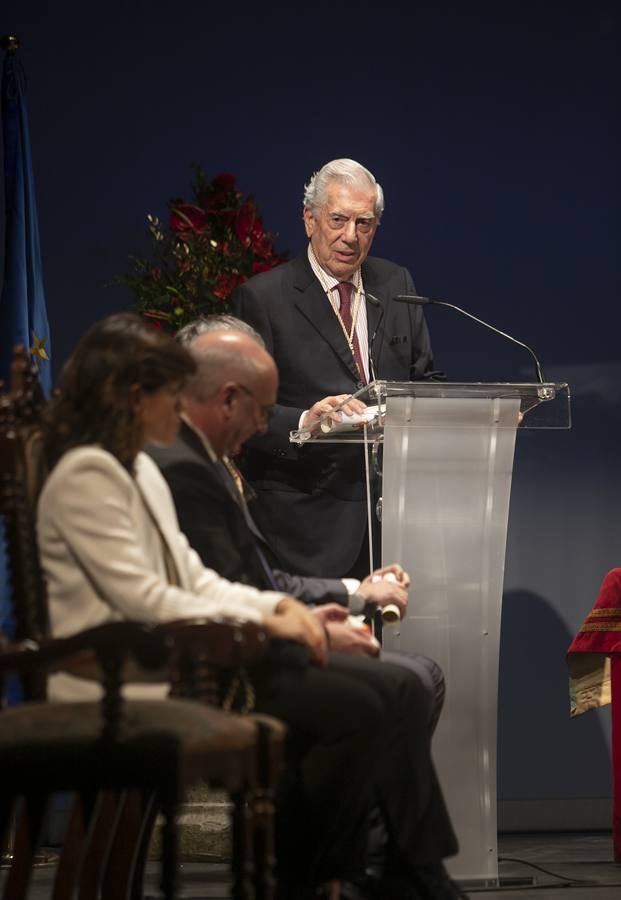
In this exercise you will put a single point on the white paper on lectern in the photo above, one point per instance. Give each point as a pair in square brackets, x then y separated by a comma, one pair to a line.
[356, 420]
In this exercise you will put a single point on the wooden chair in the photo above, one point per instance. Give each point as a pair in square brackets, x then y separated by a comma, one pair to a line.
[153, 750]
[125, 761]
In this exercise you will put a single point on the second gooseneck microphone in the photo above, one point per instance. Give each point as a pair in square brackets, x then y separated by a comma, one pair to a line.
[417, 300]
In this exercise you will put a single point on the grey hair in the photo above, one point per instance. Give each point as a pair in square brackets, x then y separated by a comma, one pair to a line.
[216, 322]
[215, 365]
[346, 171]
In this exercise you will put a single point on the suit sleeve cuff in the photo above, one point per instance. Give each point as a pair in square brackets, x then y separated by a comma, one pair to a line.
[351, 585]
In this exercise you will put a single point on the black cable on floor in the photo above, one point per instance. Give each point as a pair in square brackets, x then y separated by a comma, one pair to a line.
[563, 878]
[565, 881]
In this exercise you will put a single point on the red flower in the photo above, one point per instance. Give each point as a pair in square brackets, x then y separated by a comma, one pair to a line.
[224, 182]
[226, 284]
[247, 222]
[261, 244]
[260, 267]
[200, 257]
[186, 219]
[219, 215]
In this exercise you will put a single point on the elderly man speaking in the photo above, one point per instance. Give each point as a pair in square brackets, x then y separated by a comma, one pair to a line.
[315, 316]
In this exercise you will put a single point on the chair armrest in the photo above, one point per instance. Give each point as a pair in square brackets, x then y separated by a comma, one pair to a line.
[100, 647]
[208, 660]
[220, 644]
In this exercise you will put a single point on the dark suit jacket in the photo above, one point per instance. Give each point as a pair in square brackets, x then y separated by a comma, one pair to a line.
[216, 527]
[312, 499]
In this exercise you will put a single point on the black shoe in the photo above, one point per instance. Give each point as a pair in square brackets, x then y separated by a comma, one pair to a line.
[419, 883]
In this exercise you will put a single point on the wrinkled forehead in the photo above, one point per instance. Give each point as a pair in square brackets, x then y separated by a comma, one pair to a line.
[343, 197]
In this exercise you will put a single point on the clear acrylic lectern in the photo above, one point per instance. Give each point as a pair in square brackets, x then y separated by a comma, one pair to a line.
[444, 453]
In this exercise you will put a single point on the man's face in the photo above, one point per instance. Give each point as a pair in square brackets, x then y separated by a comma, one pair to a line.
[342, 235]
[253, 405]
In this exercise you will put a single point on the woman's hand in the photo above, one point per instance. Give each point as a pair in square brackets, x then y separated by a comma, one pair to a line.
[330, 612]
[292, 620]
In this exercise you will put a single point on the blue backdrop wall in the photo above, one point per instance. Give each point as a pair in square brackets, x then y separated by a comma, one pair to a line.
[493, 127]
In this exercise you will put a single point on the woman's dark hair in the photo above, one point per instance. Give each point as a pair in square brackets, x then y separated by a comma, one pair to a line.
[95, 402]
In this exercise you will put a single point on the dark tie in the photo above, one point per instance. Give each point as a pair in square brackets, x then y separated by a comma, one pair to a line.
[232, 481]
[345, 289]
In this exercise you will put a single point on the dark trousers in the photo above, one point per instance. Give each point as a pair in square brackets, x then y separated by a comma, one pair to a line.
[405, 780]
[358, 737]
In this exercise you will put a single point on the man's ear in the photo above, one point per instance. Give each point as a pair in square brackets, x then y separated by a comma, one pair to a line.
[309, 221]
[228, 392]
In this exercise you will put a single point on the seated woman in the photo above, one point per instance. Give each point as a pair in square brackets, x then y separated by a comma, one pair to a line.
[111, 549]
[107, 529]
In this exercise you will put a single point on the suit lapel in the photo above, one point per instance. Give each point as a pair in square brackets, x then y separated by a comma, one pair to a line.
[374, 313]
[193, 442]
[157, 499]
[189, 437]
[315, 306]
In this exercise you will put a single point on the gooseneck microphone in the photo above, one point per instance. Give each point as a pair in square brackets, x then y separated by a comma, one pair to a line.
[374, 301]
[417, 300]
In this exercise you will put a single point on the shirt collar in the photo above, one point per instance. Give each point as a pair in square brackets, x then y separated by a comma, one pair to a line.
[322, 275]
[202, 438]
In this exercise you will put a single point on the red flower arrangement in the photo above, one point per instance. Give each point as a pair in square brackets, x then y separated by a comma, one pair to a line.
[209, 247]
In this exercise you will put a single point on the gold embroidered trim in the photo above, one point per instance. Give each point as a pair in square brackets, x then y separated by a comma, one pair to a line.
[613, 611]
[601, 626]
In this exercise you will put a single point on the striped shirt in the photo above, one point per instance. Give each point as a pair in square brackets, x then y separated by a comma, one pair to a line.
[362, 330]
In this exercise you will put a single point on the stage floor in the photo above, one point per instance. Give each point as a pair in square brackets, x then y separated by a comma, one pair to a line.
[577, 867]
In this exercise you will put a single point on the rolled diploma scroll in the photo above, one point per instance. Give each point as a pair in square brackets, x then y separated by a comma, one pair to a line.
[356, 420]
[390, 612]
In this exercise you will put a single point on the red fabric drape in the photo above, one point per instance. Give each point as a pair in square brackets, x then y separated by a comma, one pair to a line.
[594, 660]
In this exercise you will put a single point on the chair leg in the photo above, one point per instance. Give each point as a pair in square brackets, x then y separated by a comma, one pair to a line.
[149, 817]
[242, 857]
[263, 813]
[170, 850]
[103, 811]
[27, 833]
[118, 871]
[66, 877]
[6, 823]
[615, 677]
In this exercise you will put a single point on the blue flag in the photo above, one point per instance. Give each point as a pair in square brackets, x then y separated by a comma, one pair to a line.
[23, 316]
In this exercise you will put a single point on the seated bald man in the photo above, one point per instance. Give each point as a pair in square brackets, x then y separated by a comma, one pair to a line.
[215, 507]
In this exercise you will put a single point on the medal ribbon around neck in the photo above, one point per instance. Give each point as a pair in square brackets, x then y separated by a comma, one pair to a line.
[349, 337]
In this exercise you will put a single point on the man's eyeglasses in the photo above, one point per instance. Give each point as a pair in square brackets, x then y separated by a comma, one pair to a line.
[266, 410]
[364, 224]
